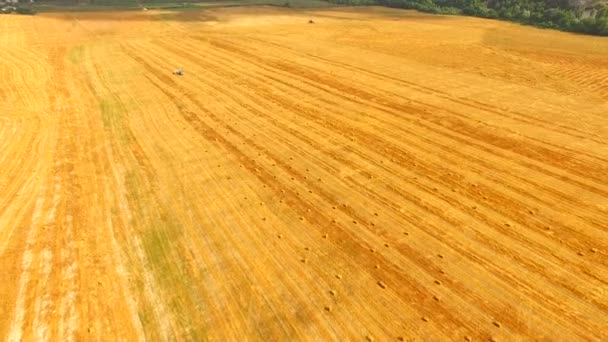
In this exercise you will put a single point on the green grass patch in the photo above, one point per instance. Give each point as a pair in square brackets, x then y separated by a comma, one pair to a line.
[108, 114]
[161, 240]
[75, 54]
[113, 118]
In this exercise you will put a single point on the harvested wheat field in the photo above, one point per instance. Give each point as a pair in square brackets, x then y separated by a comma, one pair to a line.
[379, 174]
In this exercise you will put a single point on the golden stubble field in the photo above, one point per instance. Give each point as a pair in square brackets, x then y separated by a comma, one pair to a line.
[378, 174]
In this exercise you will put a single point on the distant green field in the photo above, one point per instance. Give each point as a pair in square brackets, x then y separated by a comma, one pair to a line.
[104, 5]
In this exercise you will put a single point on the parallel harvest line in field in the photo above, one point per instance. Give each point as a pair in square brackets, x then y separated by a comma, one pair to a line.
[462, 128]
[417, 75]
[521, 179]
[316, 215]
[534, 120]
[453, 151]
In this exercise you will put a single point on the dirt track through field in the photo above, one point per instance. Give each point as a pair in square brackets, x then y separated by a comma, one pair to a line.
[377, 174]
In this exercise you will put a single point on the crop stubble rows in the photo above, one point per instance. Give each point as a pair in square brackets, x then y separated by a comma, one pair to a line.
[299, 180]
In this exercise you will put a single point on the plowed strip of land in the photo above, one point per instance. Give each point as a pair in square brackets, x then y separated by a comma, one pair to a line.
[376, 174]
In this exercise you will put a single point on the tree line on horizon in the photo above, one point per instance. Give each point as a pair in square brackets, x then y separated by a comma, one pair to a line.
[555, 14]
